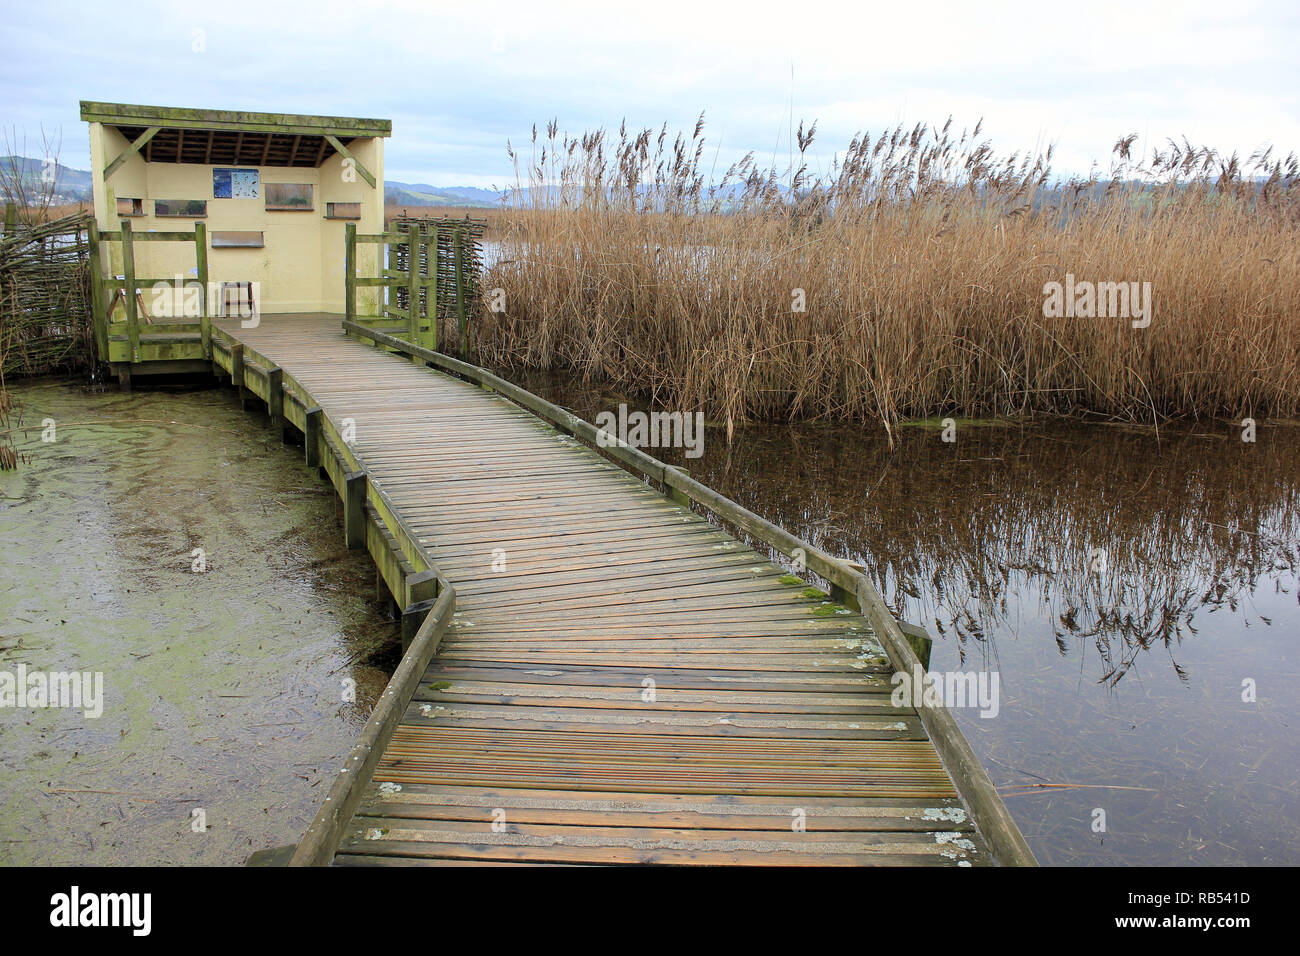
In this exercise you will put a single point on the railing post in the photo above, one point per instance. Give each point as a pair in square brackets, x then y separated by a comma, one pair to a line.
[128, 290]
[201, 264]
[462, 327]
[350, 272]
[97, 317]
[435, 328]
[413, 280]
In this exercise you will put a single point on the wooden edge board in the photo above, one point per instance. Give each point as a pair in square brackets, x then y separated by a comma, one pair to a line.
[325, 833]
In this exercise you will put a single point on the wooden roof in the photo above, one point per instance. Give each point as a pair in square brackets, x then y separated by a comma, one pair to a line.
[229, 137]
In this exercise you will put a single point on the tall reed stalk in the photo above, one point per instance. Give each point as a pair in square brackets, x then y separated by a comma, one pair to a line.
[921, 260]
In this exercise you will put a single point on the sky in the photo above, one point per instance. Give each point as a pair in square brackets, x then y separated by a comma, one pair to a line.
[459, 80]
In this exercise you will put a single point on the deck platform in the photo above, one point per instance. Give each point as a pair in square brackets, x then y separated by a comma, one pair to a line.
[622, 680]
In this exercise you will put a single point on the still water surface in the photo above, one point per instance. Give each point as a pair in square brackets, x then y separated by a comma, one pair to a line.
[224, 689]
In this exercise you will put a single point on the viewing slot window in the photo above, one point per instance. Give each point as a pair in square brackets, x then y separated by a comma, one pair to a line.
[185, 208]
[288, 197]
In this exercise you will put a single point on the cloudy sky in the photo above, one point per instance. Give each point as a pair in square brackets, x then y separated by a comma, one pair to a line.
[460, 79]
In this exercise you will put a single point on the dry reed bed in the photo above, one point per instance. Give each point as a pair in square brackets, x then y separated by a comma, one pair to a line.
[922, 258]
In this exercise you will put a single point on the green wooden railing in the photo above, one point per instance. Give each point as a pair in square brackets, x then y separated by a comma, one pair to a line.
[132, 286]
[421, 257]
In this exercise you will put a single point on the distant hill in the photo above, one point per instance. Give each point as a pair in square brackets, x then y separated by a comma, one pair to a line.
[422, 194]
[70, 185]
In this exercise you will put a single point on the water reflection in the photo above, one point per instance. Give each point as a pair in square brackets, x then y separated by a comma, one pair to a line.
[1122, 539]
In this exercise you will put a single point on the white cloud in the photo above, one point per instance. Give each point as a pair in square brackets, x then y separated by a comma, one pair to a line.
[460, 78]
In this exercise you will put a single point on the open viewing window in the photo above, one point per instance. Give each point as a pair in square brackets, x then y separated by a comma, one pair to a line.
[288, 197]
[186, 208]
[343, 210]
[130, 207]
[237, 240]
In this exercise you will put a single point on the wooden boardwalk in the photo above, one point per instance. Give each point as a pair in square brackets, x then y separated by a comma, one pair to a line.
[622, 681]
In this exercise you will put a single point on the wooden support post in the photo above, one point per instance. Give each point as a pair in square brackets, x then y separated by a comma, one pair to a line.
[421, 587]
[11, 218]
[312, 435]
[350, 272]
[237, 370]
[462, 328]
[129, 290]
[124, 376]
[275, 397]
[201, 264]
[413, 280]
[354, 511]
[98, 319]
[422, 592]
[412, 618]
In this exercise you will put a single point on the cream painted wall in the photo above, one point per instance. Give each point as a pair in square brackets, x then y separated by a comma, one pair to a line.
[300, 267]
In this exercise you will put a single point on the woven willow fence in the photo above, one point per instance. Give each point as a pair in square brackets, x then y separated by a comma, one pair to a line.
[463, 236]
[45, 310]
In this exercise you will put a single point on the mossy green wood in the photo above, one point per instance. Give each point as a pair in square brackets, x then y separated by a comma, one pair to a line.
[311, 435]
[201, 267]
[129, 290]
[413, 281]
[350, 271]
[171, 117]
[275, 395]
[97, 302]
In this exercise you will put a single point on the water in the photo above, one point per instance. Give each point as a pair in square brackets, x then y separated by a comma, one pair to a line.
[1125, 585]
[224, 689]
[1122, 584]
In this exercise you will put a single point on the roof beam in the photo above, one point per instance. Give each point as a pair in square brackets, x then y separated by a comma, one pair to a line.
[131, 150]
[347, 154]
[120, 114]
